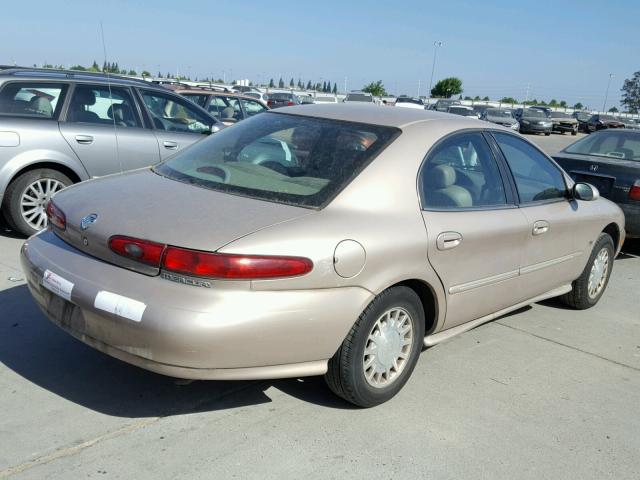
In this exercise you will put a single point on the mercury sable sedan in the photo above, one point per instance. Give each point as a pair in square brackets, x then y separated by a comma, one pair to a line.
[333, 239]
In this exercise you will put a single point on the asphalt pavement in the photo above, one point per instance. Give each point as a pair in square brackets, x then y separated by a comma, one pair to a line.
[543, 393]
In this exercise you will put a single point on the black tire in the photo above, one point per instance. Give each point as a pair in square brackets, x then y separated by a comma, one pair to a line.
[574, 132]
[14, 192]
[346, 373]
[579, 297]
[547, 133]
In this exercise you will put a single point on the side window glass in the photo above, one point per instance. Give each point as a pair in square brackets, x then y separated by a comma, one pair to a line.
[252, 108]
[536, 177]
[461, 173]
[102, 105]
[216, 105]
[174, 114]
[231, 112]
[39, 100]
[195, 98]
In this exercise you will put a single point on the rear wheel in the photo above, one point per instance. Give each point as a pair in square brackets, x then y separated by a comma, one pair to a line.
[547, 133]
[591, 284]
[381, 350]
[26, 199]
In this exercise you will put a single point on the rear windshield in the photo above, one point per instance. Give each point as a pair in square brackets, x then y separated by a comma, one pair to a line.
[290, 159]
[280, 96]
[494, 112]
[559, 115]
[622, 145]
[534, 113]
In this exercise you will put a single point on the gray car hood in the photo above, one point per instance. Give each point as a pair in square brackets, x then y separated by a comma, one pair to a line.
[145, 205]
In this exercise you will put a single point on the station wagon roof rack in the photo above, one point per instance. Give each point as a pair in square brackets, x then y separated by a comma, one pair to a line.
[56, 73]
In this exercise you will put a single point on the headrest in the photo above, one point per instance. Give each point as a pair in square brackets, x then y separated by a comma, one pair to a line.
[84, 96]
[41, 105]
[228, 112]
[442, 176]
[119, 112]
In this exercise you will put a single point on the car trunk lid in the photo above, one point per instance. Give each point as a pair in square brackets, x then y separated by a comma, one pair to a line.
[145, 205]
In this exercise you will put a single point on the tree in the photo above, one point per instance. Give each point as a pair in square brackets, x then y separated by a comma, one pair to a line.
[291, 84]
[631, 93]
[375, 88]
[447, 87]
[563, 104]
[578, 106]
[508, 100]
[553, 103]
[335, 88]
[468, 98]
[613, 110]
[159, 75]
[476, 98]
[271, 84]
[308, 85]
[132, 72]
[78, 67]
[280, 83]
[485, 99]
[145, 73]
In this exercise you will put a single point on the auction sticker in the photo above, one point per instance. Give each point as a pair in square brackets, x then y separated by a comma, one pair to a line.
[56, 284]
[121, 306]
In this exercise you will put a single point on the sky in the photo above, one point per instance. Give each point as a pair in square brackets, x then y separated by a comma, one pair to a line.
[554, 49]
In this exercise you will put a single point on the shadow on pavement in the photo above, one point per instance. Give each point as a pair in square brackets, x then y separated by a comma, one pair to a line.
[41, 353]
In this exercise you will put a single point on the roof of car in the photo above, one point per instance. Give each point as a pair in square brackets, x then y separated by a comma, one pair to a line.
[374, 114]
[215, 93]
[51, 74]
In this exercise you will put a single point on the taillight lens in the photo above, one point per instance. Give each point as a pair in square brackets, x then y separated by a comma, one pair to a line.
[634, 193]
[55, 216]
[269, 103]
[143, 251]
[233, 267]
[289, 104]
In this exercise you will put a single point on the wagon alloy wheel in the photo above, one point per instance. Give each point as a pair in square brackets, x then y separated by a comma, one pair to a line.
[388, 347]
[34, 201]
[380, 351]
[598, 274]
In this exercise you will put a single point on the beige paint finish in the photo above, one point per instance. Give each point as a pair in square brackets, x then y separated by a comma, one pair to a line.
[292, 326]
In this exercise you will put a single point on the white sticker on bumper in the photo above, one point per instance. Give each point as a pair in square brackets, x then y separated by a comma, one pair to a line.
[56, 284]
[122, 306]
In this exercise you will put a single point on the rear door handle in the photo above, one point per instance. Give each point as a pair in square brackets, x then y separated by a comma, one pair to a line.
[84, 139]
[170, 145]
[447, 240]
[540, 227]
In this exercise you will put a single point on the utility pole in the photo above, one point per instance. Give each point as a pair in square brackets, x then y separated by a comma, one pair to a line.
[526, 97]
[345, 84]
[606, 94]
[436, 44]
[419, 88]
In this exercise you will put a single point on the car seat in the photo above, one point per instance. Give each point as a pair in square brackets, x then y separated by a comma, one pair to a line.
[41, 106]
[122, 114]
[83, 98]
[441, 191]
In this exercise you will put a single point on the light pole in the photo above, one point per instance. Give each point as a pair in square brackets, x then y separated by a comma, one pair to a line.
[606, 94]
[436, 44]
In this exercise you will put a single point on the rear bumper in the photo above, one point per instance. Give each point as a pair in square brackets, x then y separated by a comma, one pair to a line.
[632, 219]
[226, 332]
[534, 128]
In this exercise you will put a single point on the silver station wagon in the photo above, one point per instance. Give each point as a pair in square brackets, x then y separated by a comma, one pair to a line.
[321, 239]
[59, 128]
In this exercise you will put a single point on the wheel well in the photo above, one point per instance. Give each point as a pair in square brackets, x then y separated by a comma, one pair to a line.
[428, 299]
[53, 166]
[614, 232]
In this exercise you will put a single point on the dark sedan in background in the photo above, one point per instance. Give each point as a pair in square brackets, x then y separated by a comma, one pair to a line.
[602, 122]
[582, 118]
[533, 121]
[609, 160]
[283, 99]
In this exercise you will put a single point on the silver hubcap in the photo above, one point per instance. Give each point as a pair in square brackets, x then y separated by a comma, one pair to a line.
[598, 274]
[33, 202]
[388, 347]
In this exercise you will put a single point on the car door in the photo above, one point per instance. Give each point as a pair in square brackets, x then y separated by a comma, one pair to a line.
[474, 229]
[104, 128]
[557, 234]
[177, 122]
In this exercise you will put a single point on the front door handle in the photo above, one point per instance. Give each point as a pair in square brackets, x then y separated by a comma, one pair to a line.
[447, 240]
[84, 139]
[540, 227]
[170, 145]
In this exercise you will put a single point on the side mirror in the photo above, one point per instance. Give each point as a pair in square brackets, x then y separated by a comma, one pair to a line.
[585, 191]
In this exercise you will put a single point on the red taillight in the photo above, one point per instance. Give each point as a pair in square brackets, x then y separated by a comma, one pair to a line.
[142, 251]
[233, 267]
[290, 103]
[55, 216]
[634, 193]
[269, 103]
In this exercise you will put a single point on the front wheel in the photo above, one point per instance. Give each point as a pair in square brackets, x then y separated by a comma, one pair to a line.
[380, 351]
[547, 133]
[27, 196]
[591, 284]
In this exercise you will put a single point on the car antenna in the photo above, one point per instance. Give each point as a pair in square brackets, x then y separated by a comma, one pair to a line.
[113, 117]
